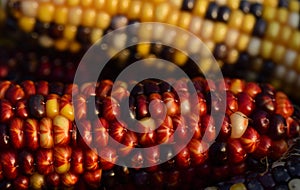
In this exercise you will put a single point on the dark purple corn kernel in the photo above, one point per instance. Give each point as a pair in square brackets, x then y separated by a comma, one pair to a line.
[36, 106]
[280, 174]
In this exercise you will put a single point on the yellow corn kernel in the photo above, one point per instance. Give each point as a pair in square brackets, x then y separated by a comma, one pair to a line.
[195, 26]
[200, 8]
[219, 32]
[61, 15]
[123, 6]
[270, 3]
[294, 41]
[99, 4]
[37, 181]
[207, 29]
[102, 20]
[173, 17]
[161, 12]
[134, 9]
[231, 37]
[58, 2]
[282, 15]
[278, 53]
[266, 49]
[294, 6]
[180, 58]
[297, 64]
[73, 2]
[70, 32]
[184, 20]
[143, 49]
[45, 12]
[29, 8]
[68, 111]
[146, 13]
[243, 42]
[233, 4]
[176, 3]
[111, 6]
[238, 186]
[74, 46]
[248, 23]
[269, 13]
[236, 19]
[285, 33]
[210, 45]
[74, 16]
[61, 44]
[232, 56]
[26, 23]
[52, 108]
[86, 3]
[96, 34]
[272, 31]
[45, 41]
[88, 17]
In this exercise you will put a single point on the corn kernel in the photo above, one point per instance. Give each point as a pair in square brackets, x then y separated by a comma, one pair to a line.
[184, 20]
[285, 33]
[172, 17]
[143, 49]
[278, 53]
[207, 29]
[232, 56]
[254, 46]
[45, 12]
[280, 72]
[71, 3]
[96, 35]
[231, 37]
[272, 31]
[111, 6]
[61, 44]
[29, 8]
[88, 17]
[37, 181]
[269, 13]
[58, 2]
[52, 108]
[195, 26]
[102, 20]
[248, 23]
[26, 23]
[266, 49]
[294, 41]
[70, 32]
[180, 58]
[146, 13]
[74, 46]
[45, 41]
[86, 3]
[219, 32]
[282, 15]
[61, 15]
[99, 4]
[294, 6]
[294, 20]
[236, 19]
[290, 57]
[238, 186]
[161, 12]
[181, 40]
[68, 112]
[74, 16]
[134, 9]
[123, 6]
[176, 3]
[233, 4]
[243, 42]
[270, 3]
[200, 8]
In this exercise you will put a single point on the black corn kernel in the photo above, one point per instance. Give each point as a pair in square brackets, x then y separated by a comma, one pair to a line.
[83, 35]
[293, 167]
[256, 9]
[220, 51]
[41, 27]
[187, 5]
[56, 88]
[245, 6]
[212, 11]
[267, 180]
[259, 28]
[280, 174]
[254, 185]
[56, 30]
[283, 3]
[223, 14]
[37, 106]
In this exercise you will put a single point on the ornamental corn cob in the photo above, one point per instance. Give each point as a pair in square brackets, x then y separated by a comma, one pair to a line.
[260, 40]
[41, 146]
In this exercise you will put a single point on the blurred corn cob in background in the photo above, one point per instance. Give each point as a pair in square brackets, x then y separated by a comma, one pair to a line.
[42, 147]
[256, 40]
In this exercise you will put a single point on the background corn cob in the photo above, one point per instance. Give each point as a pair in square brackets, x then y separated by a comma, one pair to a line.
[41, 146]
[256, 40]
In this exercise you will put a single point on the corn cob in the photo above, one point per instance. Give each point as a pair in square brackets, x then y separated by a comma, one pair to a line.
[252, 38]
[41, 146]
